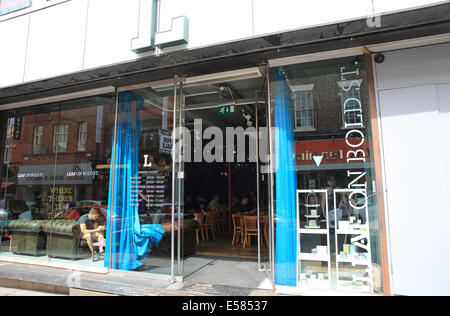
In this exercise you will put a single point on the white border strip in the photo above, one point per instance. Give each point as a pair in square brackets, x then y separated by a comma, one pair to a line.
[316, 57]
[355, 51]
[58, 98]
[384, 177]
[410, 43]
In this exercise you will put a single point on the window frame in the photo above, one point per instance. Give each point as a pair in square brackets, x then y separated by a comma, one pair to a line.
[84, 133]
[55, 134]
[295, 90]
[41, 136]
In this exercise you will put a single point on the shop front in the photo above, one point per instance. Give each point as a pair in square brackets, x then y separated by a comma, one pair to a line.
[261, 177]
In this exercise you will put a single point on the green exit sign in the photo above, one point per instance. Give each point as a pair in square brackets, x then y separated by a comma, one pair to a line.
[229, 109]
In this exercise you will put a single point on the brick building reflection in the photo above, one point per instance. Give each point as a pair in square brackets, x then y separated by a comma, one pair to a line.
[50, 166]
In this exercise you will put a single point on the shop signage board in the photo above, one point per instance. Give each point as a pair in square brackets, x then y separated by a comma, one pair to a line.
[165, 141]
[17, 127]
[325, 151]
[99, 125]
[63, 174]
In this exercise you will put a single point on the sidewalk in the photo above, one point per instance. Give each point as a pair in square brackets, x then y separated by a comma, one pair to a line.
[4, 291]
[122, 283]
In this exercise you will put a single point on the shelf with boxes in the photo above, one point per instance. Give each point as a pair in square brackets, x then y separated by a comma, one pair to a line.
[310, 223]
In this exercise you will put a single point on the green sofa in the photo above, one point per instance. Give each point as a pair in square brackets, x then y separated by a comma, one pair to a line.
[57, 238]
[63, 240]
[27, 237]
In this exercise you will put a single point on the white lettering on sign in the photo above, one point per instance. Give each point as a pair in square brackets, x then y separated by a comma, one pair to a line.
[355, 139]
[148, 38]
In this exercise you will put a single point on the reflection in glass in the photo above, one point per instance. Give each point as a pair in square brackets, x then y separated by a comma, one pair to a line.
[48, 184]
[335, 216]
[139, 228]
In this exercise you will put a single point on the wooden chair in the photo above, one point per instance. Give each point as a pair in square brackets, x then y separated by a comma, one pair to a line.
[201, 220]
[250, 229]
[238, 230]
[209, 224]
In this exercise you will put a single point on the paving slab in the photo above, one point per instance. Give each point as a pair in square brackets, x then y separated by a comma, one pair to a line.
[5, 291]
[61, 281]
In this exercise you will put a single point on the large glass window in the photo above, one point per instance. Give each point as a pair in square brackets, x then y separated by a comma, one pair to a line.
[139, 236]
[50, 187]
[325, 202]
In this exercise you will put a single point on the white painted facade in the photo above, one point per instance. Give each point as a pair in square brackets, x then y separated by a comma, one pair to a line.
[414, 106]
[53, 38]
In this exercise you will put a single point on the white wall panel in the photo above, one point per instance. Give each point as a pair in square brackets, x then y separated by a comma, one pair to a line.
[56, 40]
[14, 34]
[414, 100]
[418, 195]
[210, 21]
[281, 15]
[66, 38]
[382, 6]
[109, 32]
[415, 67]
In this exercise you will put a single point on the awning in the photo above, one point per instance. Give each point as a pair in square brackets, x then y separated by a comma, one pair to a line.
[65, 174]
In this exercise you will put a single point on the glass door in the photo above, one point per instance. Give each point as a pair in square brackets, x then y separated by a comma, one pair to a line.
[178, 217]
[142, 222]
[225, 235]
[263, 183]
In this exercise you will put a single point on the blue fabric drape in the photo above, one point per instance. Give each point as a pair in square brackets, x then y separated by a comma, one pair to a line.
[131, 241]
[286, 186]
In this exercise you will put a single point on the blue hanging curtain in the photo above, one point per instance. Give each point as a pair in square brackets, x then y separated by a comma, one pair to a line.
[286, 186]
[131, 241]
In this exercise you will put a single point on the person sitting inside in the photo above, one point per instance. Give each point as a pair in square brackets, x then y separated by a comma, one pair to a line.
[245, 207]
[214, 204]
[189, 203]
[201, 202]
[91, 229]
